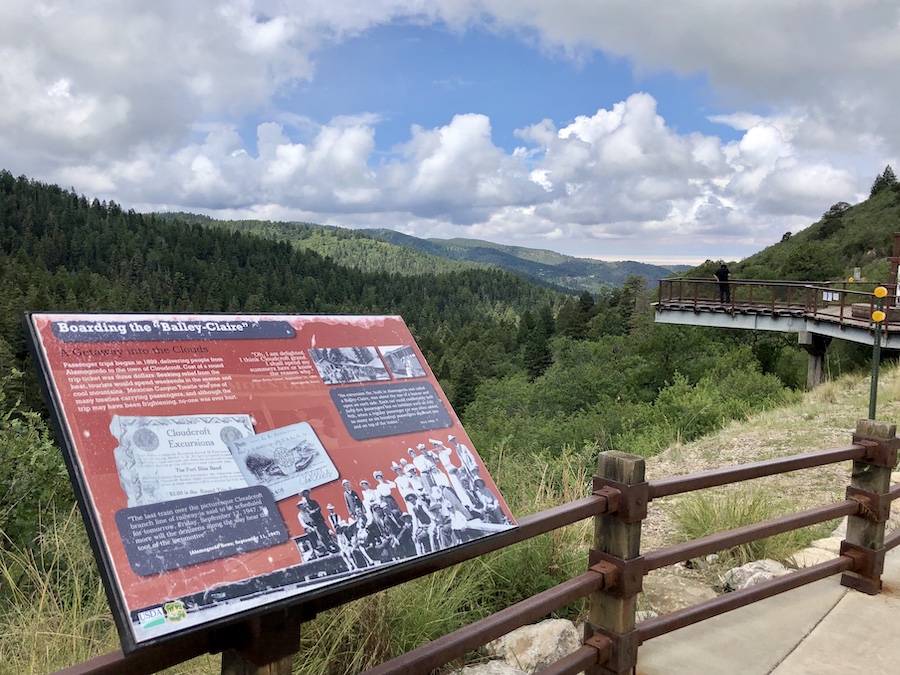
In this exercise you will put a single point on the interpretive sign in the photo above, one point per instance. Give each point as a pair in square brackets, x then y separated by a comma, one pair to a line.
[224, 463]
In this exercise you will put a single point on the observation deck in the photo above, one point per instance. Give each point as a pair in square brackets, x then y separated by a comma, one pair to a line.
[840, 310]
[817, 311]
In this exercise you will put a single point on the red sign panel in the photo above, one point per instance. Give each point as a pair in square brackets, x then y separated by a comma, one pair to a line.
[228, 462]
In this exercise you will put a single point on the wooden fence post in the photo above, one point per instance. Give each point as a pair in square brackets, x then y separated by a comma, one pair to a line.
[234, 664]
[617, 540]
[870, 483]
[267, 644]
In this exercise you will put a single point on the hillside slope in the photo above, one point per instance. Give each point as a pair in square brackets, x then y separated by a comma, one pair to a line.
[355, 249]
[845, 237]
[824, 418]
[62, 252]
[549, 266]
[384, 250]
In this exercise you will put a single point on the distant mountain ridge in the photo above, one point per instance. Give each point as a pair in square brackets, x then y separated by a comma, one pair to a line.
[386, 250]
[545, 265]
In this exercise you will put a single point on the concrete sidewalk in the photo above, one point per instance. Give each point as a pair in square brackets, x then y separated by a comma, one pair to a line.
[818, 629]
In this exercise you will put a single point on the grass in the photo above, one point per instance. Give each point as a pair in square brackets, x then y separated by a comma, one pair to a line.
[341, 640]
[701, 514]
[54, 609]
[54, 612]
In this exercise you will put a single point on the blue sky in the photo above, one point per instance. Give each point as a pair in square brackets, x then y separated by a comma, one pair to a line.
[615, 129]
[413, 74]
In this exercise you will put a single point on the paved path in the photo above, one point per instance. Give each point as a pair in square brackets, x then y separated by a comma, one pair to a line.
[818, 629]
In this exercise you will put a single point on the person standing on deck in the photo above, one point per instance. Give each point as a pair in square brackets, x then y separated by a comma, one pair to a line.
[721, 275]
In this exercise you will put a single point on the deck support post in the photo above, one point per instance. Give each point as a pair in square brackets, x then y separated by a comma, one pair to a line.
[815, 345]
[264, 644]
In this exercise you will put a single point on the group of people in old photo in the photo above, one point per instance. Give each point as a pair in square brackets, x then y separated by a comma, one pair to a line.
[431, 498]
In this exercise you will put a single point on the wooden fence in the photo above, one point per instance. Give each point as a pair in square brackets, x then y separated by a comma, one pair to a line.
[612, 582]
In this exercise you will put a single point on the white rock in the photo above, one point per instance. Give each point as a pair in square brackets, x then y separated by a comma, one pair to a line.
[893, 521]
[753, 573]
[841, 530]
[531, 648]
[830, 544]
[669, 592]
[644, 615]
[808, 557]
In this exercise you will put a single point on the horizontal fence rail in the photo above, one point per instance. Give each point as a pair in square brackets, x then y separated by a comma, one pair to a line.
[666, 487]
[454, 645]
[711, 544]
[892, 540]
[614, 577]
[707, 609]
[749, 533]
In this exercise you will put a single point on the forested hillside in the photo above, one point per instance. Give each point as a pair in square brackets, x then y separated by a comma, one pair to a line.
[61, 251]
[521, 364]
[381, 250]
[356, 249]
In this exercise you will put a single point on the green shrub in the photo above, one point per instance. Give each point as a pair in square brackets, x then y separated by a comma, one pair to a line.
[33, 476]
[791, 366]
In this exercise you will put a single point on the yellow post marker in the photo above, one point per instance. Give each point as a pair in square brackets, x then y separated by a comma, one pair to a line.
[878, 317]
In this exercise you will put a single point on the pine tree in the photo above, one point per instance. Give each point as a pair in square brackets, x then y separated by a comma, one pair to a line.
[887, 179]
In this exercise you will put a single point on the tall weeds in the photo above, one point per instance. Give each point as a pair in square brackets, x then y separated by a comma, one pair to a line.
[359, 635]
[54, 610]
[704, 513]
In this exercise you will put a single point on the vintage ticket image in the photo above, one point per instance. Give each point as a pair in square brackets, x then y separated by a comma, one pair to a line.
[287, 460]
[164, 458]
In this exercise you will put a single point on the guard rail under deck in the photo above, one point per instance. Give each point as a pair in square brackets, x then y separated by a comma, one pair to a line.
[616, 568]
[834, 309]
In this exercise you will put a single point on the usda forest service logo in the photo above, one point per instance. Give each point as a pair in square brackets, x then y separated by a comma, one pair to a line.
[151, 618]
[174, 611]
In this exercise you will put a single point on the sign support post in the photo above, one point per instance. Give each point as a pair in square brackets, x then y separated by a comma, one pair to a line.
[878, 318]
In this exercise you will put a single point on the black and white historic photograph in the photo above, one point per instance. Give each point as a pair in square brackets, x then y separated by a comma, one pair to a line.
[402, 361]
[346, 365]
[287, 460]
[430, 498]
